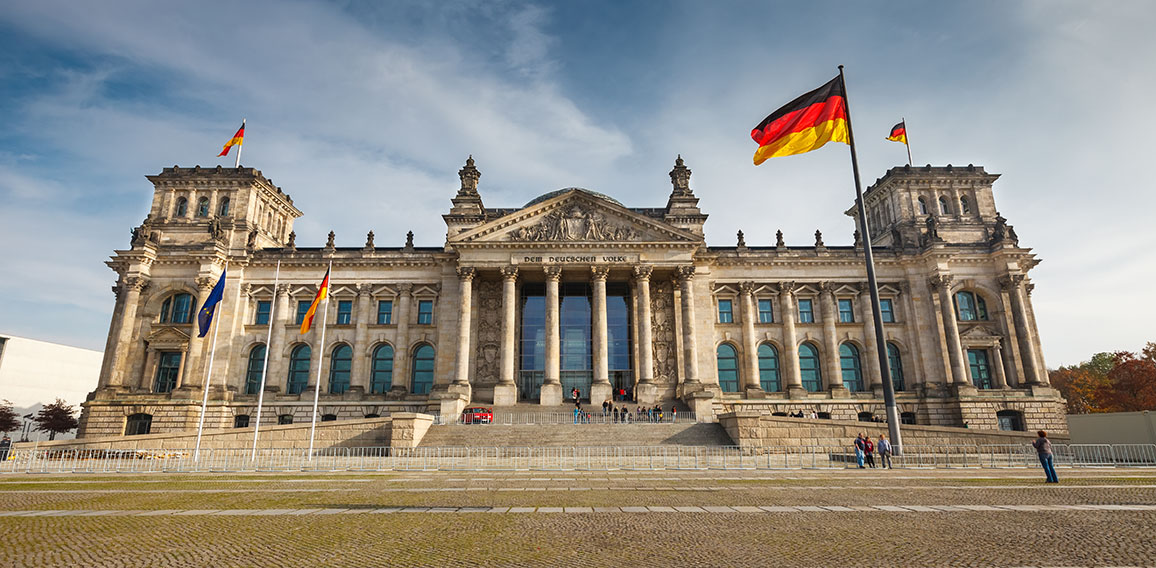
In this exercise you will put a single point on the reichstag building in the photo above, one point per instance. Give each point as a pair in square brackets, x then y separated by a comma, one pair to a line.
[573, 290]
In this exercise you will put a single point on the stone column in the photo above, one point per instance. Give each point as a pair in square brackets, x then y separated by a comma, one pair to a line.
[689, 342]
[401, 340]
[941, 283]
[832, 371]
[793, 379]
[276, 374]
[150, 371]
[193, 373]
[1027, 340]
[870, 356]
[359, 373]
[506, 391]
[133, 286]
[647, 392]
[997, 363]
[552, 382]
[600, 388]
[750, 342]
[465, 305]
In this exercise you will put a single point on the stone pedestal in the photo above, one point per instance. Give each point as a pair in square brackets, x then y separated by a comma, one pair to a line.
[964, 389]
[551, 394]
[600, 392]
[505, 394]
[795, 393]
[408, 428]
[646, 394]
[839, 391]
[451, 404]
[755, 392]
[702, 404]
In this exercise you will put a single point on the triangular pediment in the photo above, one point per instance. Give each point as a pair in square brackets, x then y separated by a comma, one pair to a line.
[978, 332]
[167, 337]
[575, 216]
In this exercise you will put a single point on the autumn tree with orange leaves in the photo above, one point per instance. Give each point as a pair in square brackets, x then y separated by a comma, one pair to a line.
[1109, 382]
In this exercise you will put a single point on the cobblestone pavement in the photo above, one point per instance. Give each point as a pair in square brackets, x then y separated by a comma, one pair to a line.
[699, 518]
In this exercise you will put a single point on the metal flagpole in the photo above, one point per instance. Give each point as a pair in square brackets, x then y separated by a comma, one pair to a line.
[880, 344]
[209, 374]
[241, 145]
[320, 360]
[265, 365]
[906, 135]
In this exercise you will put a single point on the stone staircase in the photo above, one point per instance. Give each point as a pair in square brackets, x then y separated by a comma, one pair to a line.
[575, 435]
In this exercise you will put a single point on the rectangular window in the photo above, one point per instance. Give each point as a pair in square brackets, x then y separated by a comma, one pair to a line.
[385, 312]
[302, 308]
[425, 312]
[725, 312]
[886, 310]
[846, 311]
[806, 313]
[980, 371]
[168, 367]
[344, 312]
[263, 309]
[766, 312]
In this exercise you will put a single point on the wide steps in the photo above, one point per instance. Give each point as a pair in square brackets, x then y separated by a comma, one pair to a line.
[575, 435]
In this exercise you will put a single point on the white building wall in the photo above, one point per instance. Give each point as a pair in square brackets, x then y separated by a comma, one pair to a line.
[35, 372]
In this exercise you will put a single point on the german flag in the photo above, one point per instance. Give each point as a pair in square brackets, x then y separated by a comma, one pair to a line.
[898, 133]
[804, 124]
[322, 293]
[235, 141]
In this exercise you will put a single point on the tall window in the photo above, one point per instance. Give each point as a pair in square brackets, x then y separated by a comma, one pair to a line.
[302, 309]
[254, 369]
[182, 207]
[809, 368]
[849, 364]
[895, 363]
[728, 369]
[168, 368]
[385, 312]
[178, 308]
[263, 309]
[298, 369]
[344, 312]
[1010, 420]
[943, 209]
[223, 208]
[964, 206]
[806, 312]
[980, 371]
[382, 379]
[423, 369]
[766, 311]
[241, 421]
[846, 311]
[725, 312]
[425, 312]
[138, 424]
[203, 207]
[339, 367]
[970, 307]
[769, 368]
[922, 206]
[887, 310]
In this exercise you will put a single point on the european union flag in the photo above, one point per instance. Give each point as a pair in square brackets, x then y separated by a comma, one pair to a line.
[205, 316]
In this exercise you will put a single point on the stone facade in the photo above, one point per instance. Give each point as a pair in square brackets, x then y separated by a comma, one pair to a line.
[490, 317]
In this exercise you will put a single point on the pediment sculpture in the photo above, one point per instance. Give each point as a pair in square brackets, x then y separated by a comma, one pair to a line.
[575, 223]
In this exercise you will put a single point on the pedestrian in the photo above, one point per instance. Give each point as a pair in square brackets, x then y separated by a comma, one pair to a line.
[869, 451]
[574, 394]
[605, 407]
[814, 415]
[859, 448]
[673, 413]
[5, 447]
[577, 413]
[884, 448]
[616, 415]
[1043, 448]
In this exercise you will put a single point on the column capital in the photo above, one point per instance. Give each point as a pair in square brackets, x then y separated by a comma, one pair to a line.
[136, 283]
[509, 272]
[466, 273]
[643, 272]
[364, 289]
[787, 287]
[904, 287]
[205, 282]
[282, 290]
[827, 287]
[684, 273]
[940, 281]
[864, 288]
[404, 288]
[1028, 287]
[599, 273]
[1009, 281]
[247, 289]
[553, 273]
[746, 288]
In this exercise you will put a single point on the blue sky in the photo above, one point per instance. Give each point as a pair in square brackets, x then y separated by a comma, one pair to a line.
[364, 111]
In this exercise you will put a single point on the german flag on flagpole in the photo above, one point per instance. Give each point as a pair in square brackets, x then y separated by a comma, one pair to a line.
[804, 124]
[322, 293]
[236, 140]
[898, 133]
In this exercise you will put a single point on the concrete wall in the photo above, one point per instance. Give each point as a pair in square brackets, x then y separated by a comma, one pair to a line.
[38, 372]
[1113, 428]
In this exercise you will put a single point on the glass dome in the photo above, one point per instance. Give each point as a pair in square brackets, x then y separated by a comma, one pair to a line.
[553, 194]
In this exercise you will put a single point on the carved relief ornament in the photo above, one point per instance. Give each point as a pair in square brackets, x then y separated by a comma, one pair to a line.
[574, 223]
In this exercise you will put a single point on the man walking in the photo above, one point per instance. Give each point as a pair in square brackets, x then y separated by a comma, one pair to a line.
[860, 448]
[1043, 448]
[884, 448]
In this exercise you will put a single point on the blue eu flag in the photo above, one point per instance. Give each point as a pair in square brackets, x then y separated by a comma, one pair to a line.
[205, 315]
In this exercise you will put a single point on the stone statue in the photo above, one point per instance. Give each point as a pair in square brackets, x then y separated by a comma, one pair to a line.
[369, 241]
[292, 244]
[576, 223]
[252, 239]
[742, 241]
[999, 231]
[779, 243]
[858, 238]
[329, 243]
[818, 238]
[409, 240]
[932, 229]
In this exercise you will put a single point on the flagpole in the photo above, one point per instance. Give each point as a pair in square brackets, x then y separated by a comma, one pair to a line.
[906, 135]
[265, 365]
[880, 344]
[208, 377]
[320, 360]
[239, 146]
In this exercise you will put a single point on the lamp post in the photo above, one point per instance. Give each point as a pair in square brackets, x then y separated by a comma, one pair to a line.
[24, 435]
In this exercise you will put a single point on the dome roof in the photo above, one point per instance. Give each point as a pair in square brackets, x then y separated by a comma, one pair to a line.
[553, 194]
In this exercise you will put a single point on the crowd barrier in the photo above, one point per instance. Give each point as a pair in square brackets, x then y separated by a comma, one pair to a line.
[601, 458]
[592, 416]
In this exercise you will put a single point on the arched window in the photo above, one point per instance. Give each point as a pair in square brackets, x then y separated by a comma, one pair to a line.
[964, 205]
[922, 206]
[223, 208]
[809, 368]
[970, 306]
[423, 369]
[298, 369]
[849, 363]
[1010, 420]
[203, 207]
[943, 209]
[241, 421]
[728, 368]
[339, 366]
[178, 308]
[769, 368]
[895, 363]
[382, 379]
[182, 207]
[138, 424]
[254, 369]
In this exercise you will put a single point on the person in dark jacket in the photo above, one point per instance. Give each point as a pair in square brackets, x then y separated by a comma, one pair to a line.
[1043, 448]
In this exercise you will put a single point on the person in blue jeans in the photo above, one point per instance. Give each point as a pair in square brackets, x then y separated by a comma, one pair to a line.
[1043, 448]
[860, 449]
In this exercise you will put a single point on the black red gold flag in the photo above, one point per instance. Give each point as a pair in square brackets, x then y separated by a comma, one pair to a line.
[898, 133]
[804, 124]
[236, 140]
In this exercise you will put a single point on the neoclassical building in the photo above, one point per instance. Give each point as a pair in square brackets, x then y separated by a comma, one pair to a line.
[572, 290]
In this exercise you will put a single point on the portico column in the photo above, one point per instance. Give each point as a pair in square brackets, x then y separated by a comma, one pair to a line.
[750, 342]
[1027, 340]
[401, 347]
[133, 286]
[794, 379]
[600, 388]
[647, 392]
[506, 391]
[689, 341]
[833, 372]
[275, 374]
[552, 383]
[870, 354]
[997, 356]
[193, 373]
[465, 279]
[359, 377]
[941, 283]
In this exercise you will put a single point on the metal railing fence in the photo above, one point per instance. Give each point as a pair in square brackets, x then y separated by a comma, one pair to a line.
[590, 417]
[594, 458]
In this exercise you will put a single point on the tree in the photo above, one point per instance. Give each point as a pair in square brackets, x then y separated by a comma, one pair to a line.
[9, 420]
[1081, 387]
[56, 418]
[1131, 383]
